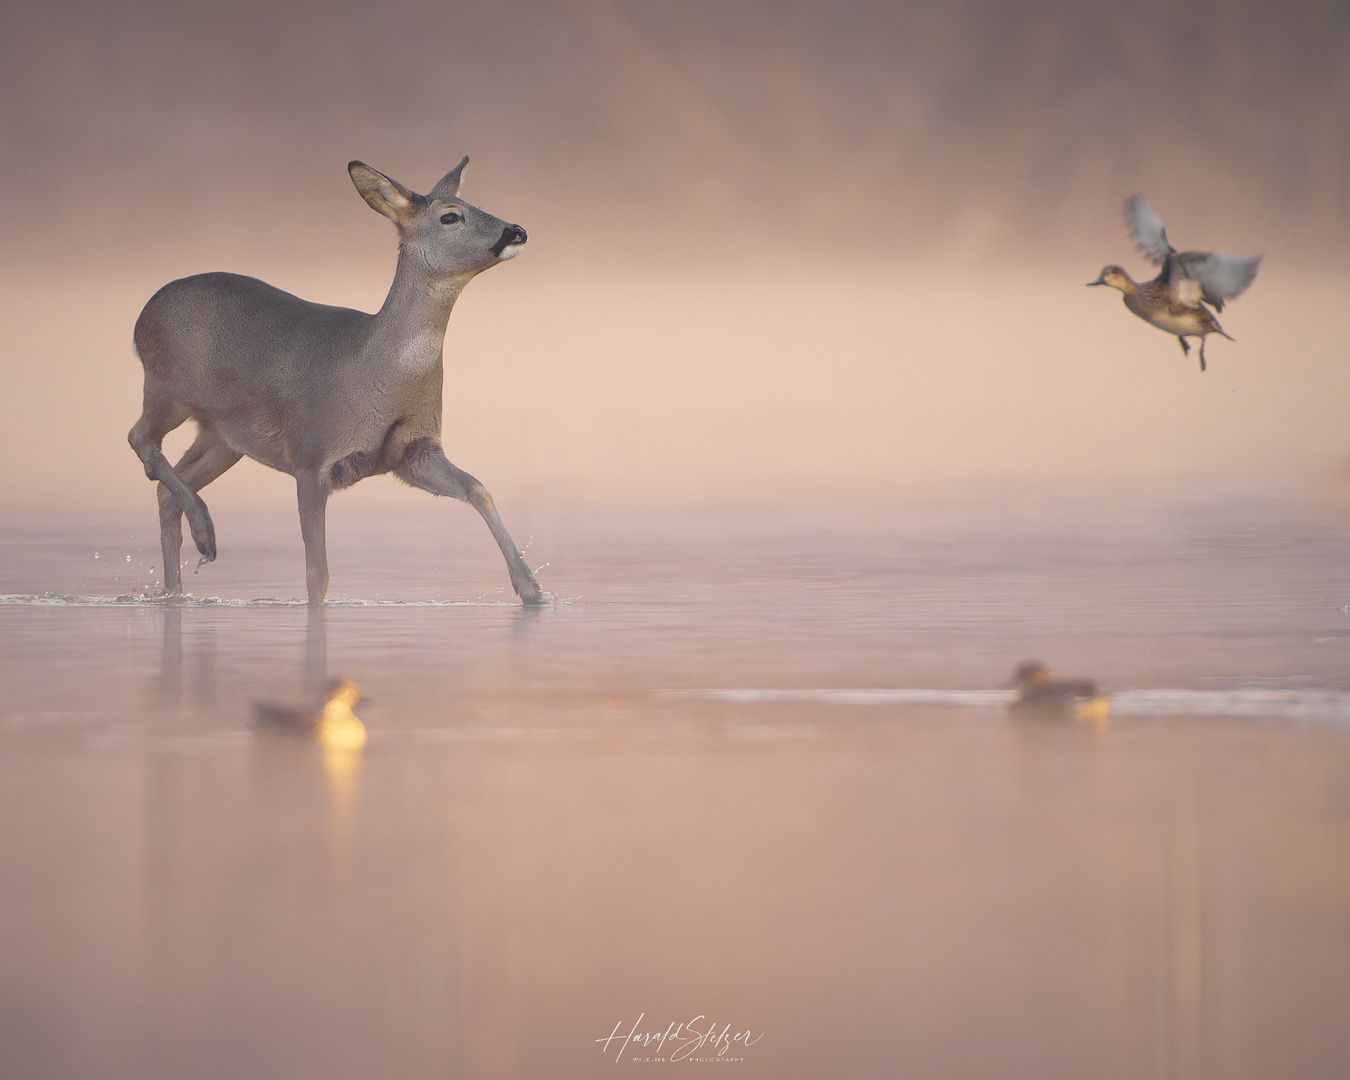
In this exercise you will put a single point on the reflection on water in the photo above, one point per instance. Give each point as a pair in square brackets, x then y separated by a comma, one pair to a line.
[777, 794]
[316, 649]
[341, 768]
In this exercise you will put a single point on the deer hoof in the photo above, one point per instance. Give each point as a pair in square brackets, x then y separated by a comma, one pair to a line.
[531, 595]
[203, 531]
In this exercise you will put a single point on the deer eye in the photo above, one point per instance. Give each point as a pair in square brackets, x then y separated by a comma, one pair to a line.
[452, 217]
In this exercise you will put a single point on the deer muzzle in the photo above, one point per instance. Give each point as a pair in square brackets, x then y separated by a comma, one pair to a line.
[511, 239]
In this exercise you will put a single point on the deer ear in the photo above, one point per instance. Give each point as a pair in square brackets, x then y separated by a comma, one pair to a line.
[387, 196]
[447, 187]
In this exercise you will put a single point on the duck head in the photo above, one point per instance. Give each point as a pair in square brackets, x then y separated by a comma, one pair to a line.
[1030, 674]
[1116, 277]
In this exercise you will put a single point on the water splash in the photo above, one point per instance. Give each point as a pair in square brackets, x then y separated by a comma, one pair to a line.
[55, 599]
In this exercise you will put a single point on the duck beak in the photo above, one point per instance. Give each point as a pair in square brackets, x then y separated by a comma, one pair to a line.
[1099, 281]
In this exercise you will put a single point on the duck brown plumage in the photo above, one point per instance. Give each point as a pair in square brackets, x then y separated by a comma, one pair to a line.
[1175, 300]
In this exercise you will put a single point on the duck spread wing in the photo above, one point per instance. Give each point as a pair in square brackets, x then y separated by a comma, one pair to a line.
[1147, 230]
[1185, 291]
[1222, 277]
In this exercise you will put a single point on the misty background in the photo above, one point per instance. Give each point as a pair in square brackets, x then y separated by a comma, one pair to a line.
[776, 249]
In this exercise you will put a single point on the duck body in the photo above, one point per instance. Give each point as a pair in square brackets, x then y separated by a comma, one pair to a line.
[1170, 305]
[1175, 300]
[1156, 304]
[1040, 696]
[333, 725]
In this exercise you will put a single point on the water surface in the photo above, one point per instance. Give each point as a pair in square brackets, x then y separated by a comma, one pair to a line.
[752, 774]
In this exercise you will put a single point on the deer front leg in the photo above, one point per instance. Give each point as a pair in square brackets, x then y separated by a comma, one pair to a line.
[312, 495]
[205, 460]
[145, 438]
[425, 466]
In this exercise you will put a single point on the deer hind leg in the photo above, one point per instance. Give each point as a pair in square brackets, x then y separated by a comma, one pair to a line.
[146, 438]
[425, 466]
[206, 459]
[312, 495]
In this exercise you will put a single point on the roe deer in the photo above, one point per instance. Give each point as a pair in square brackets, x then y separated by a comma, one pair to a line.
[327, 394]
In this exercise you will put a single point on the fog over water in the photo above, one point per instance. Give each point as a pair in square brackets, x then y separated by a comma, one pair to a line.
[840, 242]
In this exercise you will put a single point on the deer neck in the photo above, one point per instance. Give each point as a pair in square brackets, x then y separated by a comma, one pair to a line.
[410, 328]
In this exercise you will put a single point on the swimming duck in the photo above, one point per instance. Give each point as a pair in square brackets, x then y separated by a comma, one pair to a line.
[333, 725]
[1175, 300]
[1039, 695]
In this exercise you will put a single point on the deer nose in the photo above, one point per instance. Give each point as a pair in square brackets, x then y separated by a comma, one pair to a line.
[511, 236]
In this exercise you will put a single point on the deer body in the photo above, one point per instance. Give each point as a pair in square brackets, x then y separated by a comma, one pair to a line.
[327, 394]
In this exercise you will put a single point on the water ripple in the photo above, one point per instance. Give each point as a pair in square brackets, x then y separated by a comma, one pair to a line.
[1323, 705]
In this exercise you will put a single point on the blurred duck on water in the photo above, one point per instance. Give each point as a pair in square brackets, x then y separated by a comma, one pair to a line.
[1188, 280]
[1041, 697]
[332, 725]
